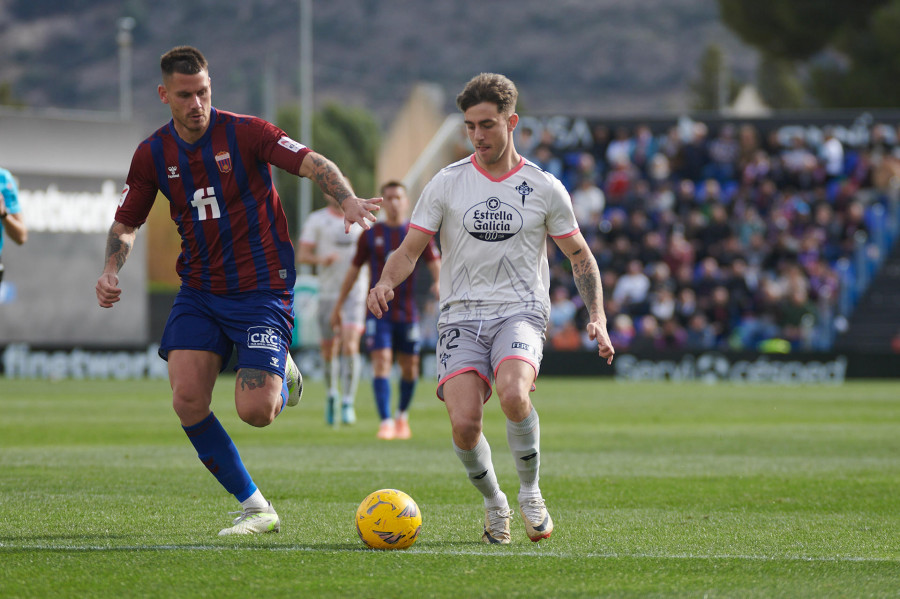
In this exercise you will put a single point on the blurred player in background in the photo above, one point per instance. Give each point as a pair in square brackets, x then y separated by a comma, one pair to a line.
[236, 265]
[11, 222]
[494, 211]
[324, 245]
[399, 333]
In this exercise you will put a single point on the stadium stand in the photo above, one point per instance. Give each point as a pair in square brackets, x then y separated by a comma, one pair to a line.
[727, 236]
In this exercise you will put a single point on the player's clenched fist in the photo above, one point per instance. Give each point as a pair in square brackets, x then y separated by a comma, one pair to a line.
[378, 299]
[107, 289]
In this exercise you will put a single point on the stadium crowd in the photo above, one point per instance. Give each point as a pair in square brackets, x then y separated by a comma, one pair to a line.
[727, 239]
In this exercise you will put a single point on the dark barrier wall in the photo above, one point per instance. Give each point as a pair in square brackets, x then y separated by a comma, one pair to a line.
[818, 368]
[45, 362]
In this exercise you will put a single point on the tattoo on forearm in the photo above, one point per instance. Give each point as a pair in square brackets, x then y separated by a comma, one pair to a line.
[253, 378]
[118, 249]
[587, 281]
[329, 178]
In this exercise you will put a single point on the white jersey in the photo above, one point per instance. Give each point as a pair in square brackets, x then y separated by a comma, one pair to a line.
[493, 235]
[324, 229]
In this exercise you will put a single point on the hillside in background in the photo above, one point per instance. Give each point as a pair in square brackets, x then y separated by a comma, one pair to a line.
[568, 56]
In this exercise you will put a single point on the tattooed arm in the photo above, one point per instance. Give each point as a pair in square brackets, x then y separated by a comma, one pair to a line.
[587, 281]
[333, 183]
[118, 246]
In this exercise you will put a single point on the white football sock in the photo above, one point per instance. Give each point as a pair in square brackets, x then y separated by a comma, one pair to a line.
[524, 440]
[480, 469]
[334, 379]
[255, 501]
[350, 369]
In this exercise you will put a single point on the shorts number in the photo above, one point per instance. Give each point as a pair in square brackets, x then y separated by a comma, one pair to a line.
[448, 337]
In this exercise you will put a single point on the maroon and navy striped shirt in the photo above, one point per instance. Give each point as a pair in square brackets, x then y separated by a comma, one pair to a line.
[373, 248]
[234, 234]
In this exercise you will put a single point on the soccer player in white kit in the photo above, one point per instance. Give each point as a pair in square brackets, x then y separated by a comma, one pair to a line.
[324, 245]
[494, 211]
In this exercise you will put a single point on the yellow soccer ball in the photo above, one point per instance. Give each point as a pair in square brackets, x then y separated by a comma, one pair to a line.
[388, 519]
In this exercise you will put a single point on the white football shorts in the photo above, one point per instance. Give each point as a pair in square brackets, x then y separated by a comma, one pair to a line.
[353, 314]
[482, 345]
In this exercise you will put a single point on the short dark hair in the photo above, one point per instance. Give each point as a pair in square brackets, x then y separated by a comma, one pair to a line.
[489, 87]
[186, 60]
[392, 183]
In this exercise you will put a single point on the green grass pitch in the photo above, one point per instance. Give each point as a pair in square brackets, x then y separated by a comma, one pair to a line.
[659, 490]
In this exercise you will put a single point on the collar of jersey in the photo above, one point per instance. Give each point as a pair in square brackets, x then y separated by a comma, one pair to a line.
[511, 172]
[213, 115]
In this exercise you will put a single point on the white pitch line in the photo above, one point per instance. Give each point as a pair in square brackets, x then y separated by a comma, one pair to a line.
[426, 551]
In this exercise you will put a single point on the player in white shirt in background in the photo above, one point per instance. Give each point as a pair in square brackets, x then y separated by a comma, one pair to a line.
[324, 245]
[494, 211]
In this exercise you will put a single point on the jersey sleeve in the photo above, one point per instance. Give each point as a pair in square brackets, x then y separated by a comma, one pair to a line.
[561, 220]
[278, 149]
[362, 252]
[10, 192]
[140, 189]
[427, 215]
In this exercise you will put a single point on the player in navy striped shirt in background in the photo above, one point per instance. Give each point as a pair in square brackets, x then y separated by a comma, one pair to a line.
[400, 331]
[236, 263]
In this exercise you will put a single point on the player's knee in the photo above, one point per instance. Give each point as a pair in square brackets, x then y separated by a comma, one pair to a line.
[513, 393]
[515, 402]
[258, 413]
[257, 416]
[190, 408]
[468, 430]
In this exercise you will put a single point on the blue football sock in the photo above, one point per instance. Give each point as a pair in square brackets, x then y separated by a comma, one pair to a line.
[382, 388]
[407, 388]
[284, 394]
[218, 453]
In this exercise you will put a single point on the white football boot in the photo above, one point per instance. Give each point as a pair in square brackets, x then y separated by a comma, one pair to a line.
[294, 382]
[538, 523]
[252, 521]
[496, 525]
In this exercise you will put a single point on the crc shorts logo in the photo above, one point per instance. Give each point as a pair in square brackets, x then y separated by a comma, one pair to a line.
[263, 338]
[492, 220]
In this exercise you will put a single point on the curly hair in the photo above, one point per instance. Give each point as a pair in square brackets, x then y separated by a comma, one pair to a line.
[489, 87]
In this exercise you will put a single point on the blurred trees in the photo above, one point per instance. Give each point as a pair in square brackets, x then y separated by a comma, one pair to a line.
[349, 136]
[715, 86]
[778, 84]
[8, 97]
[846, 51]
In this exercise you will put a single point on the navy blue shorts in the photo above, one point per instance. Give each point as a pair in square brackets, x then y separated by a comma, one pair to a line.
[258, 323]
[402, 337]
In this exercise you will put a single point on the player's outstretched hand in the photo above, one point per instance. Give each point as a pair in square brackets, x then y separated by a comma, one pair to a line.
[360, 211]
[378, 299]
[598, 333]
[335, 319]
[108, 291]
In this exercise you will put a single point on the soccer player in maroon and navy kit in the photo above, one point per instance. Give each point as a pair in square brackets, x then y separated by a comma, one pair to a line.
[400, 331]
[236, 263]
